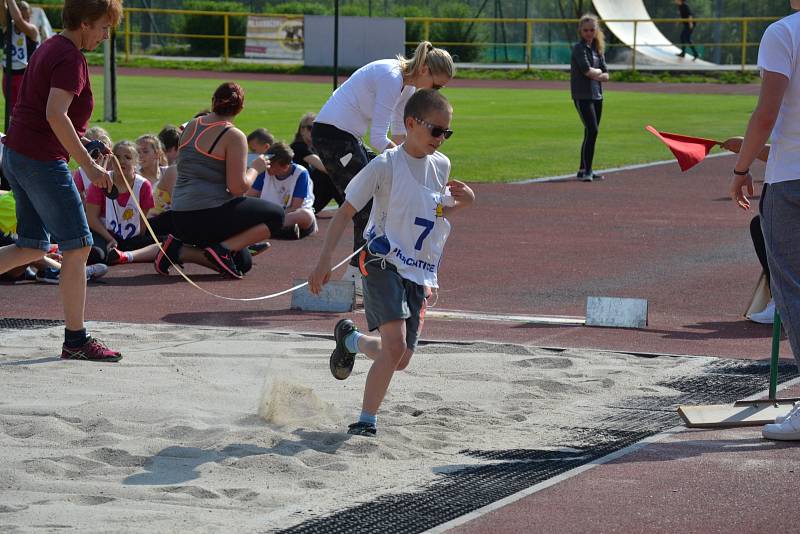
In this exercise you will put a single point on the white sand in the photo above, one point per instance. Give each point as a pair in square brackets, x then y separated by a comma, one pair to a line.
[198, 429]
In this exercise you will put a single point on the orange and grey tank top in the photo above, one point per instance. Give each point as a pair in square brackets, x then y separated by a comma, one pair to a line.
[201, 182]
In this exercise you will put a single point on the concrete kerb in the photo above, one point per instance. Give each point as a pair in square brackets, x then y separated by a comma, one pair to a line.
[568, 177]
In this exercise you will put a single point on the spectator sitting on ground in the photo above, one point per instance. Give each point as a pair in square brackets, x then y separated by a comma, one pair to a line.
[48, 268]
[153, 166]
[170, 137]
[324, 188]
[258, 143]
[209, 210]
[287, 184]
[116, 224]
[82, 182]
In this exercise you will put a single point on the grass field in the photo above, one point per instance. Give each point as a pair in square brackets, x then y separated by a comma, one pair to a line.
[500, 134]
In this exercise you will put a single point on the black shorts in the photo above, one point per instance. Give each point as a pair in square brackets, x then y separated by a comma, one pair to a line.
[202, 228]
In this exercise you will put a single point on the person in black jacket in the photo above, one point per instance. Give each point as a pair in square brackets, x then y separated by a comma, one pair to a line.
[688, 28]
[587, 72]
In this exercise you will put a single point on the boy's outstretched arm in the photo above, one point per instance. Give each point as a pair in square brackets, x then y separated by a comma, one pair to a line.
[462, 194]
[322, 272]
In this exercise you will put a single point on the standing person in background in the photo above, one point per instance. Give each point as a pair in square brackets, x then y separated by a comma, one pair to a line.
[51, 115]
[587, 72]
[24, 40]
[688, 28]
[304, 154]
[373, 99]
[777, 114]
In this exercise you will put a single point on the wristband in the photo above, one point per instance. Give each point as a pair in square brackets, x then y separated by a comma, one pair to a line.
[742, 173]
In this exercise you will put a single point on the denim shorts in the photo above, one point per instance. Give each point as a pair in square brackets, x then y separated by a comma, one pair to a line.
[48, 203]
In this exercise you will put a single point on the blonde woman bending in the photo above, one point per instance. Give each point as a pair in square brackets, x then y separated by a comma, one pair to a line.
[373, 99]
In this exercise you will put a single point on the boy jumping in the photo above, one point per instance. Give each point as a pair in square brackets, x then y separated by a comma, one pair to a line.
[405, 237]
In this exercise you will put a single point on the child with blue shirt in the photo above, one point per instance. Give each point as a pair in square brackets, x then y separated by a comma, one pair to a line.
[288, 185]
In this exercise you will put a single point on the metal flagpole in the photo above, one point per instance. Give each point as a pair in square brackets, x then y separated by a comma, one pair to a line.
[336, 44]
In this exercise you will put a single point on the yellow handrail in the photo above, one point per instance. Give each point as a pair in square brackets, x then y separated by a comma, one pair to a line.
[527, 44]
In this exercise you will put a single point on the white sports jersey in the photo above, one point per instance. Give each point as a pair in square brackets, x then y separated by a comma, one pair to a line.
[124, 221]
[280, 191]
[414, 224]
[373, 98]
[19, 50]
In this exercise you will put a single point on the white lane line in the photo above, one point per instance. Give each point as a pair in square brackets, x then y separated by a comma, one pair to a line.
[533, 319]
[552, 481]
[567, 177]
[466, 518]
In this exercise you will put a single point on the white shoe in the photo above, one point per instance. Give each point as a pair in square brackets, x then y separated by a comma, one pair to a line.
[788, 429]
[98, 270]
[781, 418]
[352, 273]
[765, 316]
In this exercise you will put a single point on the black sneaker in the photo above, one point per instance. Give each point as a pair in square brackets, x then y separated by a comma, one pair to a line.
[362, 429]
[257, 248]
[292, 233]
[598, 177]
[172, 246]
[222, 259]
[342, 360]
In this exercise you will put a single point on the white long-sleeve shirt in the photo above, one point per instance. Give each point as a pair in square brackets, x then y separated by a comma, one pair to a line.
[373, 99]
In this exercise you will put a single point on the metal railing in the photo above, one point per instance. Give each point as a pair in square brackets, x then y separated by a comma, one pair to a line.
[473, 32]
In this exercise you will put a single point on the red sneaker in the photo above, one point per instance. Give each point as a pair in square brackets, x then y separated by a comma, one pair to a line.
[93, 350]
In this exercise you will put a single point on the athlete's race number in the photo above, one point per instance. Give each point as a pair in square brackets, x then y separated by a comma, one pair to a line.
[118, 230]
[427, 226]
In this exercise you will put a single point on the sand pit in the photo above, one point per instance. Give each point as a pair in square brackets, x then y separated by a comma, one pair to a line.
[199, 429]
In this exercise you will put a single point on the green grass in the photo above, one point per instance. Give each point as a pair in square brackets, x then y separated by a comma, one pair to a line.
[501, 134]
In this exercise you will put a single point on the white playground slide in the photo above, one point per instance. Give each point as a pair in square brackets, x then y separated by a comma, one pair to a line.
[650, 42]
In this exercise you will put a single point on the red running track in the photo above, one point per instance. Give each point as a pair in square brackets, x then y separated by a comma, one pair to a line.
[536, 249]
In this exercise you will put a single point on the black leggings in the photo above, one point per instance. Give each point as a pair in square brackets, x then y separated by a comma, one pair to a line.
[202, 228]
[686, 39]
[590, 112]
[332, 144]
[757, 235]
[324, 190]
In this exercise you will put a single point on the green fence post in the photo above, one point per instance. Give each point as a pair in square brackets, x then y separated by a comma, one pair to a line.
[227, 29]
[127, 35]
[773, 364]
[635, 30]
[744, 44]
[528, 41]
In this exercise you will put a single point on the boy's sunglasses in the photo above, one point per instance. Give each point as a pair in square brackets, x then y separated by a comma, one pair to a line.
[436, 131]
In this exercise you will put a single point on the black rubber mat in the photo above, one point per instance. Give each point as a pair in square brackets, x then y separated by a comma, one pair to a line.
[455, 494]
[28, 324]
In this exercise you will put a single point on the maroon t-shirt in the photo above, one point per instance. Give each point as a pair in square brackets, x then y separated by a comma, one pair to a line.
[56, 63]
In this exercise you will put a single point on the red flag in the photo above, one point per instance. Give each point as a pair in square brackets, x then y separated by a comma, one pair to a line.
[689, 151]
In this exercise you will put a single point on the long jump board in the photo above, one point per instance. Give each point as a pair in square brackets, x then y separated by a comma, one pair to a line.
[733, 415]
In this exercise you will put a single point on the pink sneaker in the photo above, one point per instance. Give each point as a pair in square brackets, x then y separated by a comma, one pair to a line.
[93, 350]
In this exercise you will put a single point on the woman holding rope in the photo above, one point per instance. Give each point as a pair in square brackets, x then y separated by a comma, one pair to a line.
[50, 117]
[373, 99]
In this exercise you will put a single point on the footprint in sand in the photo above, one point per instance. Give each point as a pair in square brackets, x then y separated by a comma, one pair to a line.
[240, 494]
[194, 491]
[406, 409]
[117, 457]
[423, 395]
[544, 363]
[312, 484]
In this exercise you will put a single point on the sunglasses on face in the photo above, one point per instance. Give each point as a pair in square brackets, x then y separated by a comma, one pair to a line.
[589, 30]
[436, 131]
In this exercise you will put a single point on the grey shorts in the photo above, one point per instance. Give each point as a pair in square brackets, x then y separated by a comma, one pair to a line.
[389, 297]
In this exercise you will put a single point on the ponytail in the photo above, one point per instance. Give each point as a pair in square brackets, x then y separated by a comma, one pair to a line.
[438, 60]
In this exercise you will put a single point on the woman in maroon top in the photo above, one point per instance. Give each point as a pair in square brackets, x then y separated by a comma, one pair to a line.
[50, 118]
